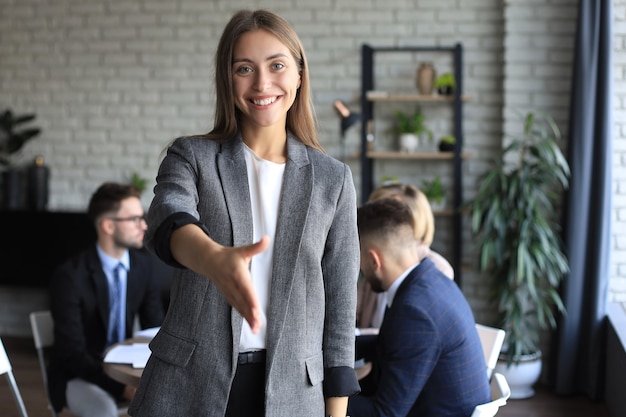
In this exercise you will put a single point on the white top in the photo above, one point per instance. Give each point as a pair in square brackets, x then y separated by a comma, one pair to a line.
[265, 182]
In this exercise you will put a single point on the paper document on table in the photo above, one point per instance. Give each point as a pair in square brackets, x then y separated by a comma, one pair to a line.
[149, 333]
[135, 354]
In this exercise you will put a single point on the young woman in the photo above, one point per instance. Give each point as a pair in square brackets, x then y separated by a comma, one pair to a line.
[261, 224]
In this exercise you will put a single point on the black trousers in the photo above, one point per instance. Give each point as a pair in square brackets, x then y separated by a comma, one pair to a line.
[247, 394]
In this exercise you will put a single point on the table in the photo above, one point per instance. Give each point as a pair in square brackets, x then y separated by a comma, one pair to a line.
[128, 375]
[124, 373]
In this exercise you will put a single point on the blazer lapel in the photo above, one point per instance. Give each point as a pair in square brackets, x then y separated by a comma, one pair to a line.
[293, 210]
[100, 285]
[231, 165]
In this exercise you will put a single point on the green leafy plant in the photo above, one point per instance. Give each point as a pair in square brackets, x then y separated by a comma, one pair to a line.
[138, 182]
[513, 217]
[445, 83]
[433, 189]
[447, 143]
[13, 134]
[448, 139]
[412, 123]
[389, 180]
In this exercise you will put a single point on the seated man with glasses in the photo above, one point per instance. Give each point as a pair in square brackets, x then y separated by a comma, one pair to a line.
[94, 298]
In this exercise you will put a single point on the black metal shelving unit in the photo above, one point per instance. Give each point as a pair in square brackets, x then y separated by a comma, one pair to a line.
[367, 117]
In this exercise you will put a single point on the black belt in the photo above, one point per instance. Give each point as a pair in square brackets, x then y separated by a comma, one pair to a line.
[257, 356]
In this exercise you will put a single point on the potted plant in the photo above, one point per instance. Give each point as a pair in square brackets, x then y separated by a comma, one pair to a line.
[513, 217]
[13, 135]
[447, 144]
[445, 84]
[138, 182]
[410, 128]
[434, 192]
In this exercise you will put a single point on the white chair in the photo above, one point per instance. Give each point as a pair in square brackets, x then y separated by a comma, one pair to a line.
[491, 340]
[43, 335]
[500, 393]
[7, 369]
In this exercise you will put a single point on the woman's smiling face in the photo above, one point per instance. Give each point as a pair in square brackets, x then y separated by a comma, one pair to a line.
[266, 79]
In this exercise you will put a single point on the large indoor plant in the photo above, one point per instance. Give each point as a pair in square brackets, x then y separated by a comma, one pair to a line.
[514, 219]
[14, 133]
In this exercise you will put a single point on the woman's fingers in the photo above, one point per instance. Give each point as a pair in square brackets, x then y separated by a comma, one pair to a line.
[238, 289]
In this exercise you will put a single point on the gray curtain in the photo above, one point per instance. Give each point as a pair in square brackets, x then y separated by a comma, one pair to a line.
[576, 363]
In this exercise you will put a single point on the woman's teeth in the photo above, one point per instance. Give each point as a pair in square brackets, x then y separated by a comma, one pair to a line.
[264, 102]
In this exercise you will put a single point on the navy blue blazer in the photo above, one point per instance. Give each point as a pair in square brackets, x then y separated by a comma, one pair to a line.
[429, 360]
[80, 308]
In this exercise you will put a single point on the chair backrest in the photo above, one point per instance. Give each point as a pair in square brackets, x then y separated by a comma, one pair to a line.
[7, 369]
[43, 328]
[43, 334]
[491, 339]
[500, 393]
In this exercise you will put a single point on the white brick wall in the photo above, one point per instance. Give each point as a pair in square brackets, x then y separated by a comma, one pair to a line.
[112, 82]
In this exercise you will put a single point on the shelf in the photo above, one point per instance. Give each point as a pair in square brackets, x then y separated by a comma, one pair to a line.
[433, 98]
[415, 155]
[370, 97]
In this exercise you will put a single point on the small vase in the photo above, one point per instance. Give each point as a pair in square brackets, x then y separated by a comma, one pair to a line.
[38, 176]
[13, 189]
[426, 78]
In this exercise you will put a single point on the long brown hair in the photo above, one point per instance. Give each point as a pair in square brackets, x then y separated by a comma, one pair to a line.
[300, 117]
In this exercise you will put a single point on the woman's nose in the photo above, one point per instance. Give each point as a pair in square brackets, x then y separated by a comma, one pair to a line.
[262, 81]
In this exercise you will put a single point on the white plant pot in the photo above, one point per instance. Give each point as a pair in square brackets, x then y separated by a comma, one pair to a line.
[438, 206]
[523, 376]
[409, 142]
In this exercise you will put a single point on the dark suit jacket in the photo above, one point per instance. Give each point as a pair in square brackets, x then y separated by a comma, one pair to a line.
[80, 309]
[429, 360]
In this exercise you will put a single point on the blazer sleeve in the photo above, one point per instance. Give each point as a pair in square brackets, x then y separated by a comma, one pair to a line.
[407, 366]
[340, 268]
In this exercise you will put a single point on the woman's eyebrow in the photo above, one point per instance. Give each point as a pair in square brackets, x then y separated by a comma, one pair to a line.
[269, 58]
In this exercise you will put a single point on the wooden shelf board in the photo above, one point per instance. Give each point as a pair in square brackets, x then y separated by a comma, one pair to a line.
[415, 155]
[434, 98]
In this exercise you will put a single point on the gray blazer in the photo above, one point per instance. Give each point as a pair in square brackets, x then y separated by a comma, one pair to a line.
[312, 305]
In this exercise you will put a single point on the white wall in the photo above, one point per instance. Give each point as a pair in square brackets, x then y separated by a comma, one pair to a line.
[112, 82]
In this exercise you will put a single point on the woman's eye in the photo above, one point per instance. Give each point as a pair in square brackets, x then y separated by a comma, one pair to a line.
[243, 70]
[278, 66]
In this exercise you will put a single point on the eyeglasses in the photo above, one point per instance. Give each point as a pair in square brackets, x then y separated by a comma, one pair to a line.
[138, 220]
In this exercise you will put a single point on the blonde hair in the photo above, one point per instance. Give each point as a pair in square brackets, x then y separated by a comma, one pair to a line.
[423, 218]
[300, 117]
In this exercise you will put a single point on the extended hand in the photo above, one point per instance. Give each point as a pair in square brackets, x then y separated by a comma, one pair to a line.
[231, 276]
[227, 267]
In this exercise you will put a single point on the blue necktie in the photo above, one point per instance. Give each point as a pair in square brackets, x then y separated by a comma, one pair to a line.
[116, 329]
